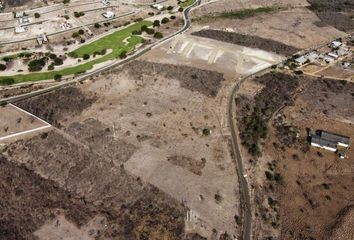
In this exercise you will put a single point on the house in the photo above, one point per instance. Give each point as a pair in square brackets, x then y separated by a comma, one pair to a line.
[313, 56]
[19, 14]
[335, 44]
[157, 6]
[108, 14]
[333, 55]
[23, 20]
[42, 39]
[328, 59]
[329, 141]
[345, 65]
[300, 60]
[20, 29]
[342, 51]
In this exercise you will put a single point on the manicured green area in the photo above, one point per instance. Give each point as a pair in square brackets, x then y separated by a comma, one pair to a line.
[246, 13]
[113, 41]
[186, 3]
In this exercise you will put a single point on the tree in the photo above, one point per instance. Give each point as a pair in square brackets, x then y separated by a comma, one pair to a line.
[169, 8]
[150, 31]
[52, 56]
[66, 1]
[156, 23]
[180, 9]
[158, 35]
[51, 67]
[165, 20]
[144, 28]
[57, 76]
[81, 31]
[36, 65]
[2, 67]
[123, 54]
[85, 56]
[97, 25]
[75, 35]
[37, 15]
[173, 17]
[58, 61]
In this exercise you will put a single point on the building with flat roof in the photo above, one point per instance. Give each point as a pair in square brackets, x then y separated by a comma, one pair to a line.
[329, 141]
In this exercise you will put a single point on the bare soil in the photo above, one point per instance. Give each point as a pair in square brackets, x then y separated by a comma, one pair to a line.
[194, 79]
[248, 41]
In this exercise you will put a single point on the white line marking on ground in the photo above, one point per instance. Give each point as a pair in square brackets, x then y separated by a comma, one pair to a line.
[29, 114]
[24, 132]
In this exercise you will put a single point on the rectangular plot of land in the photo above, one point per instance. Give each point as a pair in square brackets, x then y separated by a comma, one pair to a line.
[14, 121]
[212, 198]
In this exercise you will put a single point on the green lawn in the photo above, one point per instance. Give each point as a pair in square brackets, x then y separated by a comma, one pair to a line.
[187, 3]
[113, 41]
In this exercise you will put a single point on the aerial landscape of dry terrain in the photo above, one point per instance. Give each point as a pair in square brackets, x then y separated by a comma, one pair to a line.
[176, 119]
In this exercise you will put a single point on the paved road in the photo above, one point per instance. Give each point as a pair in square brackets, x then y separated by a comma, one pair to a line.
[187, 24]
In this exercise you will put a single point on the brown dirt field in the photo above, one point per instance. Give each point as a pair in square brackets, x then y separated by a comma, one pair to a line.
[314, 185]
[194, 79]
[248, 41]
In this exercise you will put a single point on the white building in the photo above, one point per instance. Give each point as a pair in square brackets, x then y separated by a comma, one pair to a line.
[157, 6]
[333, 55]
[335, 44]
[20, 29]
[108, 14]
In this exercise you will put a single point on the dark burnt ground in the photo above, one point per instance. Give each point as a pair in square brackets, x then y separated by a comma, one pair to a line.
[194, 79]
[336, 13]
[28, 200]
[17, 3]
[133, 209]
[58, 105]
[248, 41]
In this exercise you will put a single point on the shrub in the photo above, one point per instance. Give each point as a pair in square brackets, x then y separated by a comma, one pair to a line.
[206, 132]
[165, 20]
[52, 56]
[97, 25]
[36, 65]
[150, 31]
[51, 67]
[169, 8]
[136, 32]
[2, 67]
[79, 14]
[57, 76]
[58, 61]
[66, 1]
[7, 81]
[75, 35]
[37, 15]
[158, 35]
[180, 9]
[173, 17]
[81, 31]
[138, 20]
[86, 56]
[151, 13]
[7, 59]
[66, 17]
[73, 54]
[144, 28]
[156, 23]
[82, 40]
[123, 54]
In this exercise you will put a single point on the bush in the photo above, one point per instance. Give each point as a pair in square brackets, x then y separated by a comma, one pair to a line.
[150, 31]
[165, 20]
[173, 17]
[169, 8]
[143, 28]
[79, 14]
[57, 76]
[206, 132]
[136, 32]
[7, 81]
[82, 40]
[138, 20]
[66, 1]
[97, 25]
[158, 35]
[86, 56]
[73, 54]
[58, 61]
[51, 67]
[151, 13]
[156, 23]
[66, 17]
[123, 54]
[180, 9]
[81, 31]
[75, 35]
[37, 15]
[2, 67]
[36, 65]
[52, 56]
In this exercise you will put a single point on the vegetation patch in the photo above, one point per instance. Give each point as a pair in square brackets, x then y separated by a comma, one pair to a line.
[253, 116]
[248, 41]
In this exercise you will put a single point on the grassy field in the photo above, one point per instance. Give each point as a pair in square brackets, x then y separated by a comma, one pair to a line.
[114, 41]
[186, 3]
